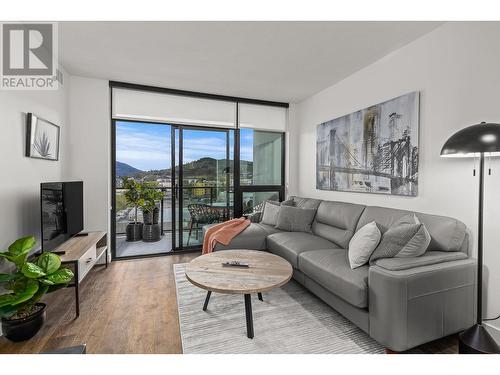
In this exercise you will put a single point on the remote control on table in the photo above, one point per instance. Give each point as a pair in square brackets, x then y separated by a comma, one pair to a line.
[235, 263]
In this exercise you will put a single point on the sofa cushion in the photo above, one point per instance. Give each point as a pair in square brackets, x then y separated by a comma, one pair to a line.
[270, 213]
[294, 219]
[447, 234]
[336, 221]
[289, 245]
[270, 229]
[401, 241]
[330, 268]
[362, 245]
[304, 202]
[252, 238]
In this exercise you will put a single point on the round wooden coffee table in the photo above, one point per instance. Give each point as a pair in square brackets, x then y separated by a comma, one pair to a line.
[265, 271]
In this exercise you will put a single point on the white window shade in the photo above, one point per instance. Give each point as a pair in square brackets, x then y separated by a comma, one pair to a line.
[262, 117]
[158, 107]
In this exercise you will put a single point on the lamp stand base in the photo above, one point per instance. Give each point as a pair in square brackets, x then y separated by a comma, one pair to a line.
[476, 340]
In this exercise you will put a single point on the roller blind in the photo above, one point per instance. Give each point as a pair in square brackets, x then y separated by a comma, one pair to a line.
[159, 107]
[262, 117]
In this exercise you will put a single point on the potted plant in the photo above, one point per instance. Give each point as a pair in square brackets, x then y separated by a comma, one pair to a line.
[21, 313]
[133, 196]
[151, 195]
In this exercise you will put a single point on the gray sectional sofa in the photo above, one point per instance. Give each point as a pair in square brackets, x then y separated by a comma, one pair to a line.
[400, 302]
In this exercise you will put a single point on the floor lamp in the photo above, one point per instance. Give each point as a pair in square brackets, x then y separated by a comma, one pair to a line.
[476, 141]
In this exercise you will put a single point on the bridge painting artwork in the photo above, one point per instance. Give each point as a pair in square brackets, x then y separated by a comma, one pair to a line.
[374, 150]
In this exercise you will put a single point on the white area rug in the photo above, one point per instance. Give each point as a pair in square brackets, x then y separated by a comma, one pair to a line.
[289, 320]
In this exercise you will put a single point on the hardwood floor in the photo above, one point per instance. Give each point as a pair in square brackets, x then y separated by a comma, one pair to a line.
[131, 307]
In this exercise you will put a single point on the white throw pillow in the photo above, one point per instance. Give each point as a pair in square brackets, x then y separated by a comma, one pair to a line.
[362, 244]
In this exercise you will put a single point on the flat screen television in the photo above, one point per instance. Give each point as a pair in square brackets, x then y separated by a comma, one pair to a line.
[62, 212]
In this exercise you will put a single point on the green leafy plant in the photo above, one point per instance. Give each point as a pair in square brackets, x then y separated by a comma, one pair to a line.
[30, 281]
[150, 196]
[134, 193]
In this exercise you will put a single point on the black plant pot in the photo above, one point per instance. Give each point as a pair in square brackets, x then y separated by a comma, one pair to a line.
[23, 329]
[151, 233]
[151, 218]
[134, 232]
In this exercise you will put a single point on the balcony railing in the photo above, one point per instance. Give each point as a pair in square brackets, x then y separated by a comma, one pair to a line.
[215, 196]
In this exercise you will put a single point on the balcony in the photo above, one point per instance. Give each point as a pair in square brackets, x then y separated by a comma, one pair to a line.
[186, 231]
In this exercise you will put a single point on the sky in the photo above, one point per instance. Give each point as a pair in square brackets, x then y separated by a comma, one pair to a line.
[147, 146]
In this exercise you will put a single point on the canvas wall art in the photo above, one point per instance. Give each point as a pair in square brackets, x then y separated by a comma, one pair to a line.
[373, 150]
[42, 138]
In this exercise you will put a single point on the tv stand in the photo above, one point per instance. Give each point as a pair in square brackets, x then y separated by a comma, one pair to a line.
[81, 234]
[83, 253]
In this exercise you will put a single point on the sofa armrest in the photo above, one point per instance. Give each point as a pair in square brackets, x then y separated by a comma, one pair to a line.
[427, 259]
[409, 307]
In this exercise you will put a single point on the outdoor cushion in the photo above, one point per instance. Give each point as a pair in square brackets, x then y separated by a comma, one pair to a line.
[289, 245]
[330, 268]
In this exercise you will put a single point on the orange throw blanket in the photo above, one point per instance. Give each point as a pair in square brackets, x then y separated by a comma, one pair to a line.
[223, 233]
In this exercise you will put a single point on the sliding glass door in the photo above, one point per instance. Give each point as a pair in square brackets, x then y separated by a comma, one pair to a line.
[170, 181]
[189, 159]
[143, 172]
[204, 185]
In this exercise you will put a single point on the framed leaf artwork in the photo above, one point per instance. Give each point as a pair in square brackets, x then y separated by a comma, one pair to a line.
[42, 138]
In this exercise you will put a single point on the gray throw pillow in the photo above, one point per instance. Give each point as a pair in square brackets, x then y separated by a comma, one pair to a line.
[405, 240]
[294, 219]
[270, 213]
[288, 202]
[416, 247]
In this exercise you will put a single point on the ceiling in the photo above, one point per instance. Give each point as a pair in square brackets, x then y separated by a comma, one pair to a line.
[281, 61]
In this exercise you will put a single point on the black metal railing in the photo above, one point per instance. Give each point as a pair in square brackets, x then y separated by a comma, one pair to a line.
[212, 195]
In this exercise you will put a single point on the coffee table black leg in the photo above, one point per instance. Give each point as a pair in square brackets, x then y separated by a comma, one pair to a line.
[248, 312]
[260, 296]
[207, 298]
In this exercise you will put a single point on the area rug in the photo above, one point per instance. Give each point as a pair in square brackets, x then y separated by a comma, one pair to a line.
[289, 320]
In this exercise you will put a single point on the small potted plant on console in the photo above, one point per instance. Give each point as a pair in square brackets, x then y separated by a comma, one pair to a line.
[22, 314]
[133, 196]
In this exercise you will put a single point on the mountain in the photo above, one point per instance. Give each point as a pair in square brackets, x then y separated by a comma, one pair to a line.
[125, 170]
[206, 168]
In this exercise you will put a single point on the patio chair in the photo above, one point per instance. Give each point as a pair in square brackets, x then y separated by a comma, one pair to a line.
[202, 214]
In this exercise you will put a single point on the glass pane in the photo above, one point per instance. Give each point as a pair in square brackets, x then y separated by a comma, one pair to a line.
[206, 181]
[253, 200]
[143, 156]
[260, 154]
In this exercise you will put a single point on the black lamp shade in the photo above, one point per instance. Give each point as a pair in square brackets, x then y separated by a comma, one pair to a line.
[473, 140]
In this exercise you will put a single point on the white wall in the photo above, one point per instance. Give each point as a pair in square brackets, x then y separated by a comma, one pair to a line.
[21, 176]
[456, 69]
[89, 142]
